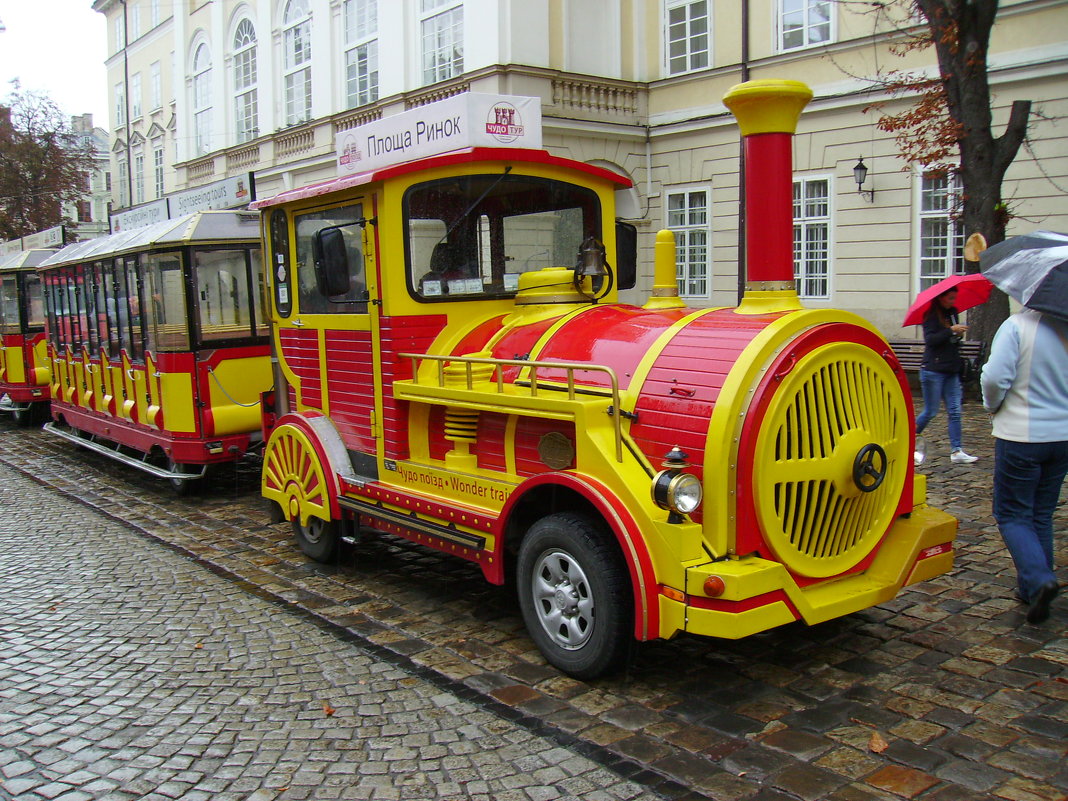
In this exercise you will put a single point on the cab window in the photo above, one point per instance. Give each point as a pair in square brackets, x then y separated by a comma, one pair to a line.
[472, 236]
[309, 299]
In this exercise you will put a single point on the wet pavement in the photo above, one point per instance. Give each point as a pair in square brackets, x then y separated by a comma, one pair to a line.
[944, 693]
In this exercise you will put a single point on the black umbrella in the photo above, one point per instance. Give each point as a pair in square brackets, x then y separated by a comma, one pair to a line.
[1032, 268]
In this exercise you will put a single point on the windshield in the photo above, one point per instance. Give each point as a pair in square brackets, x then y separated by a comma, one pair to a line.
[470, 237]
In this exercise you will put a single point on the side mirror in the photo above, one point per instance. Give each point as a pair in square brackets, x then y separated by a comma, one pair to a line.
[626, 255]
[331, 259]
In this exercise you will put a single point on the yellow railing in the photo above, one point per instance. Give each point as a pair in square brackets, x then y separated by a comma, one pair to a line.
[532, 368]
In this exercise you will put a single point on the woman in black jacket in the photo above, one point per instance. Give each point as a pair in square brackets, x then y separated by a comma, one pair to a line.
[940, 371]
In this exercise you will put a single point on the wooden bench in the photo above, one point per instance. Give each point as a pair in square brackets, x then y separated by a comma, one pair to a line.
[909, 353]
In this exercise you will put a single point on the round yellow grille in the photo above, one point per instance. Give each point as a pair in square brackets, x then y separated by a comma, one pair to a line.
[837, 423]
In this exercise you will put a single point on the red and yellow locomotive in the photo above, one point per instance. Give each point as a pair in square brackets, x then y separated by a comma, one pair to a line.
[446, 375]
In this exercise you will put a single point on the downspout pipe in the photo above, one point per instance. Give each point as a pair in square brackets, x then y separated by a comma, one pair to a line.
[744, 72]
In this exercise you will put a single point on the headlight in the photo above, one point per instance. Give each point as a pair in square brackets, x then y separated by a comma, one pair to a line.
[680, 493]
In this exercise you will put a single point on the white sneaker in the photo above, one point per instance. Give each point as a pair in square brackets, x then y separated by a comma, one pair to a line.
[960, 457]
[917, 458]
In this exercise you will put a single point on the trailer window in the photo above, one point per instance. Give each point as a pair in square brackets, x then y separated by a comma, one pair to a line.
[223, 295]
[309, 299]
[35, 315]
[471, 237]
[166, 318]
[9, 304]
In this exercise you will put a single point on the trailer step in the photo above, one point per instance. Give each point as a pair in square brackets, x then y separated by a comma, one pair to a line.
[114, 453]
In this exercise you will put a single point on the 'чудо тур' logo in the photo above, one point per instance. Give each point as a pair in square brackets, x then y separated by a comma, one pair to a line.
[503, 122]
[350, 153]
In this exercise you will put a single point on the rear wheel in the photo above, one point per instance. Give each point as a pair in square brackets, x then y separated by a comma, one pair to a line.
[182, 487]
[25, 415]
[318, 539]
[575, 594]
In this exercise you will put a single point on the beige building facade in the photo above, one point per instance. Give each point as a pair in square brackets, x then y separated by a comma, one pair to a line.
[220, 89]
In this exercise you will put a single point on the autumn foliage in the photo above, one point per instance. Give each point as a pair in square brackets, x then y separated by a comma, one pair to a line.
[42, 164]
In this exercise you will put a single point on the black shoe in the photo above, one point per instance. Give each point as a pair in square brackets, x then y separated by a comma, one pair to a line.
[1039, 609]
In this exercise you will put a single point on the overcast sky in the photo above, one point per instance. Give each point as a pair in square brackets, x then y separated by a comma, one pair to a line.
[57, 47]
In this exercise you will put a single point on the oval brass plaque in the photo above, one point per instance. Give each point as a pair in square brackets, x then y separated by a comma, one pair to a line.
[556, 450]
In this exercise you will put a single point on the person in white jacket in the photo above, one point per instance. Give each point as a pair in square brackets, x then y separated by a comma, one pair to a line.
[1025, 386]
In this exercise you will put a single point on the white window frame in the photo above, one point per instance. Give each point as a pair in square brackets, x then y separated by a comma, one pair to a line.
[136, 95]
[123, 181]
[809, 24]
[120, 105]
[201, 72]
[135, 21]
[441, 28]
[155, 89]
[812, 277]
[693, 239]
[939, 253]
[158, 167]
[297, 58]
[361, 52]
[245, 80]
[692, 54]
[139, 177]
[154, 12]
[120, 33]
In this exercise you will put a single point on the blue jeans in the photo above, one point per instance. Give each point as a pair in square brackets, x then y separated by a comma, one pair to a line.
[1027, 485]
[938, 387]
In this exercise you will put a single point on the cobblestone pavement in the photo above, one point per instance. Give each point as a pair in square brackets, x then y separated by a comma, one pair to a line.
[130, 672]
[944, 693]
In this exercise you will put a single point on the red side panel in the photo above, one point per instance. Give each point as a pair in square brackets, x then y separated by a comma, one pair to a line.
[350, 385]
[528, 434]
[300, 348]
[402, 335]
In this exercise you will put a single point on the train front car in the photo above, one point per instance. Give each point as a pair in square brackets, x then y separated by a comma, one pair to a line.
[454, 368]
[25, 369]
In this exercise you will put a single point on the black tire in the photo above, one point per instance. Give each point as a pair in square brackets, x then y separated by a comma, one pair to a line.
[575, 594]
[319, 540]
[183, 488]
[26, 416]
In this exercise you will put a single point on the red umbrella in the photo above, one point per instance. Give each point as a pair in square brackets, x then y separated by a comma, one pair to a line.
[972, 289]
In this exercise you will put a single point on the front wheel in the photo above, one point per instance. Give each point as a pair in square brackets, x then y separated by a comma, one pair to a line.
[182, 487]
[319, 539]
[26, 416]
[575, 595]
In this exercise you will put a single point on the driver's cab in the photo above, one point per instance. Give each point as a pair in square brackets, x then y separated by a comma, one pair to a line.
[432, 255]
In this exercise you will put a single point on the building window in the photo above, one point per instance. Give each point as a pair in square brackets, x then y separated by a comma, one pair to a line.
[687, 36]
[812, 237]
[154, 12]
[202, 99]
[85, 211]
[155, 86]
[246, 107]
[135, 96]
[134, 11]
[157, 167]
[688, 218]
[120, 33]
[120, 105]
[124, 183]
[361, 55]
[442, 27]
[941, 234]
[296, 62]
[804, 22]
[139, 178]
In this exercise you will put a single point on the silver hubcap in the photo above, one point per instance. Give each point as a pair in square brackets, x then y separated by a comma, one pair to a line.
[563, 599]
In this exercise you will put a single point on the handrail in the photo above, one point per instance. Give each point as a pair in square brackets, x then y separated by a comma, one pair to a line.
[570, 367]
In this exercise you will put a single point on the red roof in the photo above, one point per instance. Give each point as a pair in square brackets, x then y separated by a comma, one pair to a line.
[465, 156]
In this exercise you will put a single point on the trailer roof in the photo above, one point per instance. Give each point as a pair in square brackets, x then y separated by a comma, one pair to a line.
[24, 259]
[465, 156]
[200, 226]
